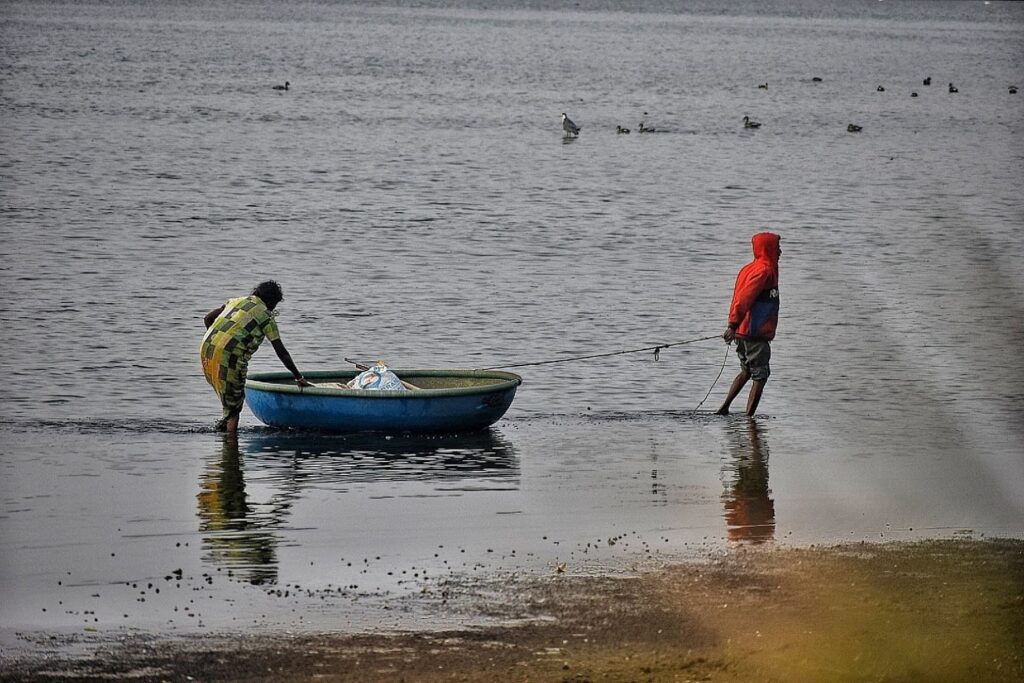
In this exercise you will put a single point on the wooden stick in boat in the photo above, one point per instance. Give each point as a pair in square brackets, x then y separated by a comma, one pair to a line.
[364, 368]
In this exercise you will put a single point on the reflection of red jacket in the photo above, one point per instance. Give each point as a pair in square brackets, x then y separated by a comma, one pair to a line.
[754, 311]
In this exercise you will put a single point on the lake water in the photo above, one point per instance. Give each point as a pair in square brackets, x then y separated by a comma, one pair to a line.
[413, 193]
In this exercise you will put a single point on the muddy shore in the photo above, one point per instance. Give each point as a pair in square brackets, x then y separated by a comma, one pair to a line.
[937, 611]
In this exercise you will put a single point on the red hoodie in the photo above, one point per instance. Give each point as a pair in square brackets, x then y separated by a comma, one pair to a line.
[754, 311]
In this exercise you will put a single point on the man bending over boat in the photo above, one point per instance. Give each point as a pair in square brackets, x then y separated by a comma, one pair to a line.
[753, 315]
[233, 333]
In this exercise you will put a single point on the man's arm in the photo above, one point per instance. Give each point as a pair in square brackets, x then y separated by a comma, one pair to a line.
[745, 297]
[212, 316]
[286, 358]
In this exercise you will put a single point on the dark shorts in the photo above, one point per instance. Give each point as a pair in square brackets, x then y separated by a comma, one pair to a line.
[754, 355]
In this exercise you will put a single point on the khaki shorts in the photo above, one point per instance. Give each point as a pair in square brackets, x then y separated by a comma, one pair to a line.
[754, 355]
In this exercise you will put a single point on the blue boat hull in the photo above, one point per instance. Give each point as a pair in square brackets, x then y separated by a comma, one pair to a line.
[451, 401]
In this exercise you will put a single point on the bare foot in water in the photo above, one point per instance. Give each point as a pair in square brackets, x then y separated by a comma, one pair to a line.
[722, 411]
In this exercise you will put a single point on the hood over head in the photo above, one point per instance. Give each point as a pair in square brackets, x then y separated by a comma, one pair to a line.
[766, 246]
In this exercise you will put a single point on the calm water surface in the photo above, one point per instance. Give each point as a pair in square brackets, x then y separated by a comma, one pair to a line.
[414, 195]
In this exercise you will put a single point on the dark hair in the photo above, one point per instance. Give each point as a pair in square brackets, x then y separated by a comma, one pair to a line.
[269, 292]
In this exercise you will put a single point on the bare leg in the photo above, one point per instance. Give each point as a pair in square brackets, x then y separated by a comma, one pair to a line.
[755, 396]
[232, 423]
[734, 390]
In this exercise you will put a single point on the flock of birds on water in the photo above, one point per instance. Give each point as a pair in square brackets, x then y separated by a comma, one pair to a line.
[572, 130]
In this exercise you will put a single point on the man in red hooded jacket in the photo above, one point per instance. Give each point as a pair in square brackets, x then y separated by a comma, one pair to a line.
[753, 315]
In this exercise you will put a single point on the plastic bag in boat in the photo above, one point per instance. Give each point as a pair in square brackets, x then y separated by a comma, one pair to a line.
[378, 378]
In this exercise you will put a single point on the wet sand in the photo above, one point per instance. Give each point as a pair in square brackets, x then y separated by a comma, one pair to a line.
[949, 610]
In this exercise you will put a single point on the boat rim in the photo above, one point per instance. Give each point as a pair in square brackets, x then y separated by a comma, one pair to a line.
[267, 381]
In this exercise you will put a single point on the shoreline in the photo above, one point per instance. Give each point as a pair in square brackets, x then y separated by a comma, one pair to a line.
[924, 610]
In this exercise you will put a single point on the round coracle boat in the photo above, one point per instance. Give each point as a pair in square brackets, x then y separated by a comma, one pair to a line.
[434, 401]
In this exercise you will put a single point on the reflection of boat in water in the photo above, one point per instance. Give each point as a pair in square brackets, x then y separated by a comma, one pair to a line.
[749, 508]
[241, 528]
[366, 457]
[444, 401]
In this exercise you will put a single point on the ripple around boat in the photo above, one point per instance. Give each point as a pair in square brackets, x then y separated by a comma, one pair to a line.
[444, 401]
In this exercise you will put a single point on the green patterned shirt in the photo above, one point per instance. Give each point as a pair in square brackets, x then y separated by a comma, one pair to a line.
[241, 327]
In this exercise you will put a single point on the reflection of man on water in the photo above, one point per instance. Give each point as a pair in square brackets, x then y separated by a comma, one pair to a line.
[230, 533]
[749, 509]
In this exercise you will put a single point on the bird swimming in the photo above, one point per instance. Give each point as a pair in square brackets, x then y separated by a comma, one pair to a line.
[816, 79]
[881, 89]
[643, 127]
[763, 86]
[853, 128]
[952, 88]
[621, 131]
[1013, 90]
[750, 123]
[913, 94]
[569, 127]
[928, 81]
[282, 87]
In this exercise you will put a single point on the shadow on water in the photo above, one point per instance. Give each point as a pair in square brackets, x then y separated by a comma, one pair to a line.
[106, 426]
[240, 532]
[749, 507]
[236, 532]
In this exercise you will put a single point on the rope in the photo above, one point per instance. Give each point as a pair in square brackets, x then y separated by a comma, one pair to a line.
[720, 371]
[657, 350]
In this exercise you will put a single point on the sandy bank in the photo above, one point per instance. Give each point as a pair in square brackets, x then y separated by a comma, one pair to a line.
[936, 611]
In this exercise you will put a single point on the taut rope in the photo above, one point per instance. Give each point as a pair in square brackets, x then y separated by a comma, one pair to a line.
[656, 349]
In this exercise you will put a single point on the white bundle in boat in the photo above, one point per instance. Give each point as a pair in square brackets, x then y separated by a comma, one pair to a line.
[378, 378]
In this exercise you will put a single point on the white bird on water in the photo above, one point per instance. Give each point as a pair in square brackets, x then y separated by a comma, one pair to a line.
[569, 127]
